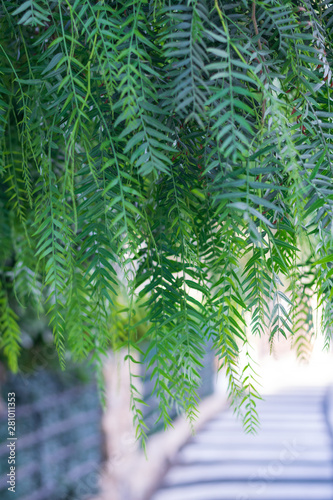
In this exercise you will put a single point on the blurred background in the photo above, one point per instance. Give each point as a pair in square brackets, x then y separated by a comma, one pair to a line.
[68, 448]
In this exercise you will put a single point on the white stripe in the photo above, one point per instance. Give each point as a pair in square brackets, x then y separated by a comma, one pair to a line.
[203, 453]
[252, 491]
[263, 438]
[248, 471]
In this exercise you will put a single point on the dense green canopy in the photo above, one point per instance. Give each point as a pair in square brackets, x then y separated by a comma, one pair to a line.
[183, 149]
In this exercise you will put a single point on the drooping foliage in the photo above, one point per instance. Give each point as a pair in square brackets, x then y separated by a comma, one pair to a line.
[184, 149]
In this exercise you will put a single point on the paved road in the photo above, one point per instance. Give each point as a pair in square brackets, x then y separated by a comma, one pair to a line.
[291, 458]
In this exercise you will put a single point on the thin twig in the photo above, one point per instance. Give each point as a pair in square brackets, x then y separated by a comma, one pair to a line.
[255, 25]
[254, 20]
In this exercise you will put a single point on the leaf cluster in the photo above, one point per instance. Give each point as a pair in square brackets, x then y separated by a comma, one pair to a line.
[182, 148]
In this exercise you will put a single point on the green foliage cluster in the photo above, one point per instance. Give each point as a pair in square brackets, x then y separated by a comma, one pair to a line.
[185, 147]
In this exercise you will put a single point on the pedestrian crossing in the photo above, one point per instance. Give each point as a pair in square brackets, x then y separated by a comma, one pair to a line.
[291, 457]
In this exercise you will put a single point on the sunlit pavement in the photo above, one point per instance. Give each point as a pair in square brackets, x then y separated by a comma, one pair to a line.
[291, 457]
